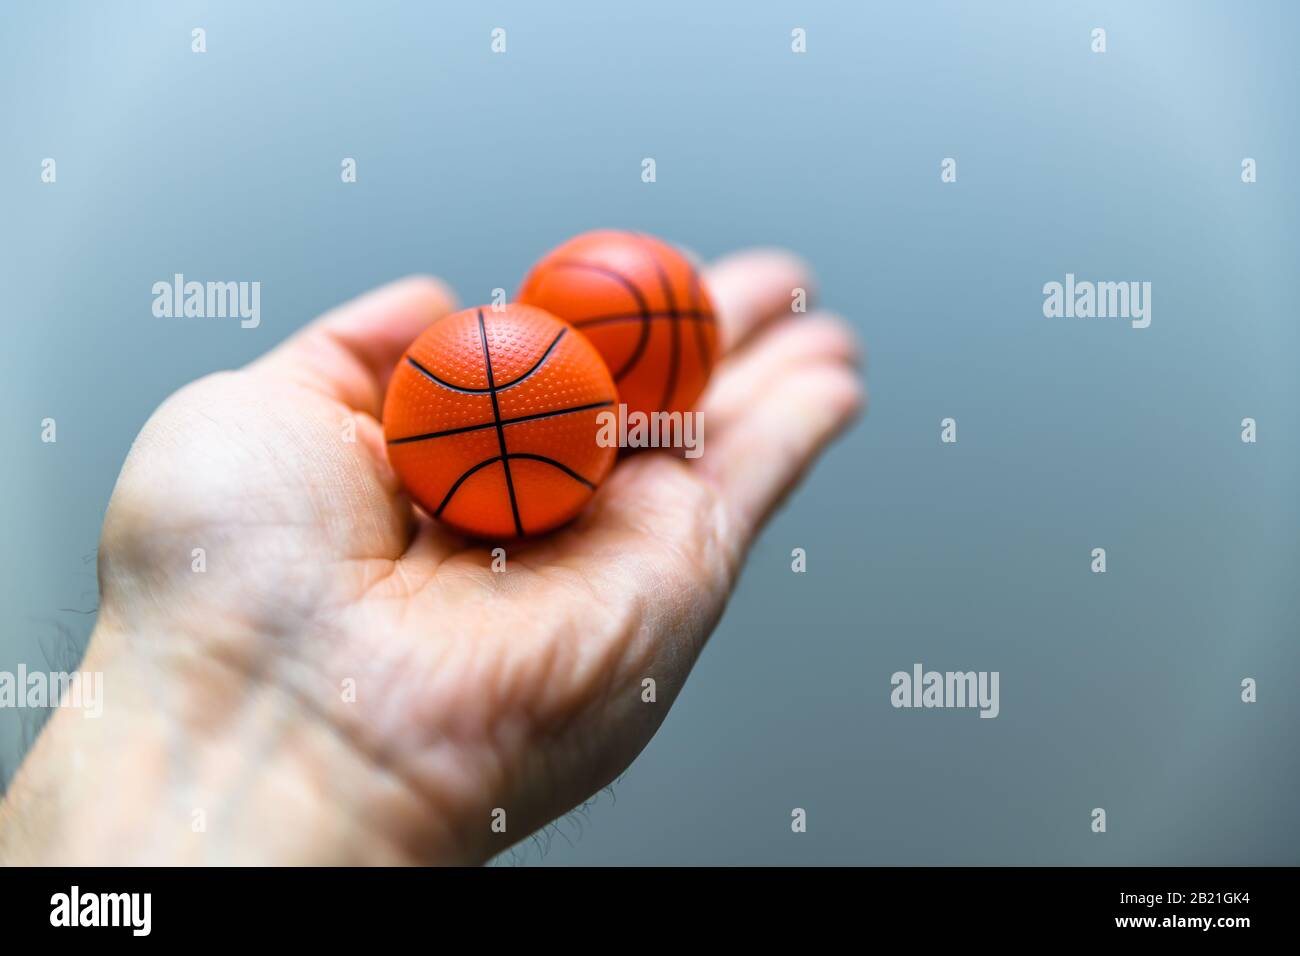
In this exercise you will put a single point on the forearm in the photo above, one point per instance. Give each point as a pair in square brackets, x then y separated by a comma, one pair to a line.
[254, 783]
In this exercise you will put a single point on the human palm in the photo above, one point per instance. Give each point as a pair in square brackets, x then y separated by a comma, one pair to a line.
[266, 582]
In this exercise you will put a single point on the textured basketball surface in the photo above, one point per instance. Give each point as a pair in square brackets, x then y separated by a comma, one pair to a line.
[641, 303]
[490, 420]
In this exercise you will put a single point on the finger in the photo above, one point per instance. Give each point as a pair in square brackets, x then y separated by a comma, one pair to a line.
[760, 456]
[349, 352]
[742, 379]
[752, 288]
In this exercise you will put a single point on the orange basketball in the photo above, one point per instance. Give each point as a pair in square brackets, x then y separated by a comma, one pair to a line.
[641, 303]
[491, 421]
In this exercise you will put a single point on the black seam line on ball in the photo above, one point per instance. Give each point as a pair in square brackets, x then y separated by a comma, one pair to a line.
[461, 480]
[496, 458]
[536, 365]
[501, 432]
[643, 306]
[551, 461]
[675, 329]
[694, 315]
[500, 388]
[505, 421]
[455, 388]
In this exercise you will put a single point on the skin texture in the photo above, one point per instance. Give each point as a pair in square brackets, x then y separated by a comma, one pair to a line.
[348, 682]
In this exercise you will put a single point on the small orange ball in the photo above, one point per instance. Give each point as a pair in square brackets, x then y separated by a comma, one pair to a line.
[491, 421]
[642, 304]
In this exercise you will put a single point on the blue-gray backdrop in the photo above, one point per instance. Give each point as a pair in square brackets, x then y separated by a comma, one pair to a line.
[1118, 690]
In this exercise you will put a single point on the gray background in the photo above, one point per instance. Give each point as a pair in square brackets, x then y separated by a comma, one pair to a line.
[1118, 690]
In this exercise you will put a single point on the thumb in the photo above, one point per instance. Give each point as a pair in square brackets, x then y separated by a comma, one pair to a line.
[349, 352]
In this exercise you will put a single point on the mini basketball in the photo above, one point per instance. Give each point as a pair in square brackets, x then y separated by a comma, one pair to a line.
[644, 308]
[491, 421]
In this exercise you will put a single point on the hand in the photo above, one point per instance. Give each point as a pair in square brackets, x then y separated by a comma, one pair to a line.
[345, 680]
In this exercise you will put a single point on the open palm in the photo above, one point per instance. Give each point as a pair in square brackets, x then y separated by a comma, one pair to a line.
[260, 554]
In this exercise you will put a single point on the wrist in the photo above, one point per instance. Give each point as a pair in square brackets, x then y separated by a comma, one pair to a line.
[193, 763]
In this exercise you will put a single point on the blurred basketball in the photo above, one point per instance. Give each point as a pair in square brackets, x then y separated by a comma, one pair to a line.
[642, 305]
